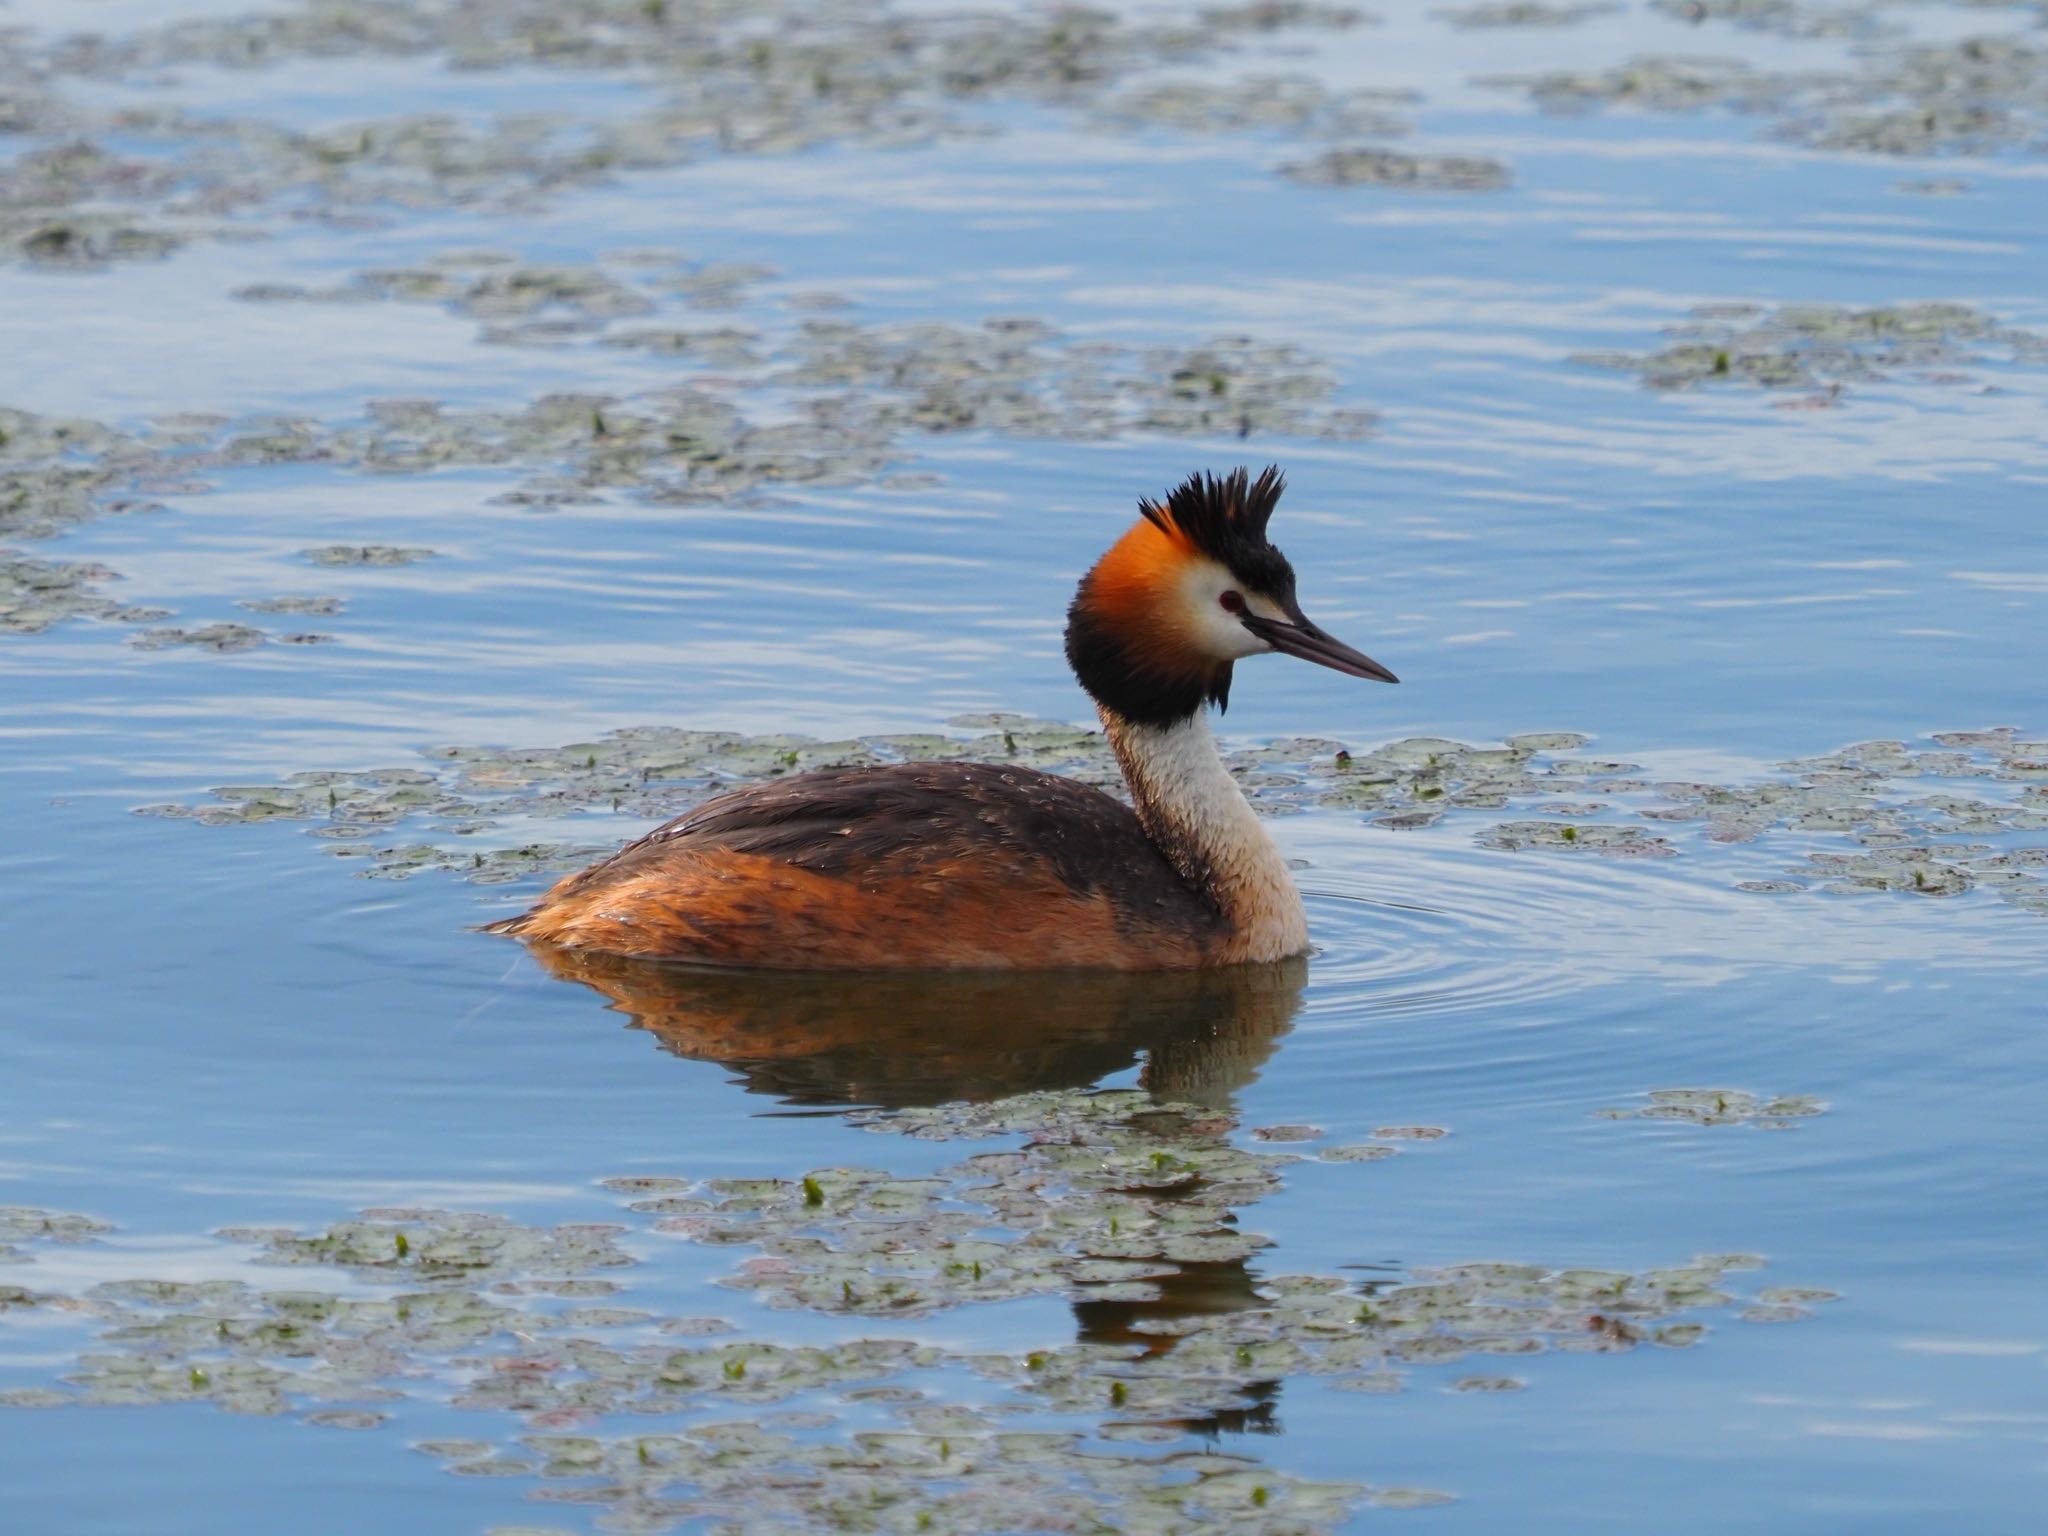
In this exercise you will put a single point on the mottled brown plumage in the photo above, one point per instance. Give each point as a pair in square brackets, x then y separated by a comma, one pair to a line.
[926, 865]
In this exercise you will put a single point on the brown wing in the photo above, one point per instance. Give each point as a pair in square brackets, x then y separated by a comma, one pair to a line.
[929, 864]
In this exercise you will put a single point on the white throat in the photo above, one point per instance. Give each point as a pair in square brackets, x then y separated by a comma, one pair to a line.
[1192, 808]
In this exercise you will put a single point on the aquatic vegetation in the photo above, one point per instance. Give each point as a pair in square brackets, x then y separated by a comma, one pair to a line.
[322, 607]
[1612, 842]
[207, 637]
[55, 199]
[1294, 104]
[860, 387]
[1655, 84]
[28, 1223]
[1789, 18]
[1899, 809]
[1722, 1106]
[1973, 95]
[138, 182]
[35, 594]
[523, 304]
[856, 395]
[57, 472]
[1396, 168]
[1524, 13]
[1827, 347]
[1111, 1194]
[432, 1247]
[709, 80]
[366, 554]
[1124, 1204]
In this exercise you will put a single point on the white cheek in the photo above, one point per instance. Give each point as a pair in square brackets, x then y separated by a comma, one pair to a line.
[1215, 629]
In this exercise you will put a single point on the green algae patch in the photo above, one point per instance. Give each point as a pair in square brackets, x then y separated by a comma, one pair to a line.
[28, 1224]
[37, 594]
[434, 1247]
[1785, 18]
[1113, 1194]
[323, 607]
[367, 554]
[205, 637]
[1128, 1205]
[1294, 104]
[1827, 348]
[1945, 821]
[1523, 13]
[1966, 96]
[830, 402]
[1379, 167]
[1722, 1106]
[134, 183]
[1606, 841]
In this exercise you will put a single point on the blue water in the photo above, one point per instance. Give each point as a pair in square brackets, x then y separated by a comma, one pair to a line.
[212, 1027]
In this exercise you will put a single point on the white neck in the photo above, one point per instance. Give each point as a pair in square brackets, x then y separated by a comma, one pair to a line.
[1193, 810]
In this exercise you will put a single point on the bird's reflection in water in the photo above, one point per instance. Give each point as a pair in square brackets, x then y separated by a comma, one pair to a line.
[896, 1040]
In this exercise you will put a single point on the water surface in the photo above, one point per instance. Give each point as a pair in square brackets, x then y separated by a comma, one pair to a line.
[223, 1027]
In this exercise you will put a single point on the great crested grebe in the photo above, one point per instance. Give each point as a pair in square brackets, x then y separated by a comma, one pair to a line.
[979, 866]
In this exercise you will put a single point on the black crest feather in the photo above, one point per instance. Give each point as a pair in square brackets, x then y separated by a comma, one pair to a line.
[1225, 517]
[1215, 511]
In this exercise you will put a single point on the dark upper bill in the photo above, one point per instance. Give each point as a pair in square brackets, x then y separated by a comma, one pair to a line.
[1301, 637]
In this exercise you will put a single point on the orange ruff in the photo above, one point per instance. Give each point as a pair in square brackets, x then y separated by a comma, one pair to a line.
[719, 907]
[1132, 587]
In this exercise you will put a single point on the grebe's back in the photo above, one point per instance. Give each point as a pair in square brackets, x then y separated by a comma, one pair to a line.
[929, 865]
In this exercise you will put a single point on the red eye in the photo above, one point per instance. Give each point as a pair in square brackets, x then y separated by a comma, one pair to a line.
[1232, 602]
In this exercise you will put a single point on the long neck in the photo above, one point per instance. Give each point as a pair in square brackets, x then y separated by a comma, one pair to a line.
[1193, 810]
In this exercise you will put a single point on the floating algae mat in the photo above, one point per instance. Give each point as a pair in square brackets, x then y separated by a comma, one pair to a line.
[862, 395]
[1722, 1106]
[1126, 1205]
[1397, 168]
[136, 183]
[1964, 813]
[1972, 95]
[1828, 347]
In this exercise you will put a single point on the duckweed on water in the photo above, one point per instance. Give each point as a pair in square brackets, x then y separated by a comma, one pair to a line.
[28, 1223]
[1902, 811]
[854, 394]
[1613, 842]
[207, 637]
[367, 554]
[1787, 18]
[136, 182]
[1974, 95]
[1722, 1106]
[1123, 1204]
[773, 78]
[323, 607]
[1827, 347]
[36, 594]
[1378, 167]
[1293, 103]
[1524, 13]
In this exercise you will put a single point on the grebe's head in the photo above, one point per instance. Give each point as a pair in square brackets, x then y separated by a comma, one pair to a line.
[1191, 589]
